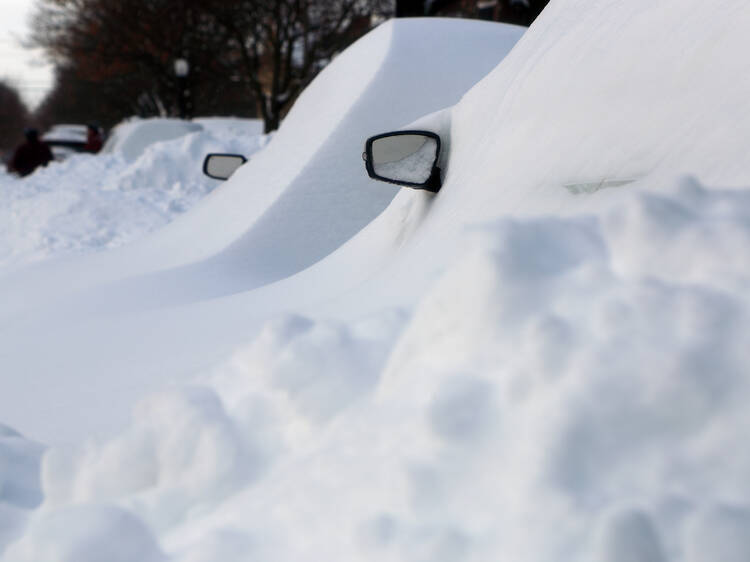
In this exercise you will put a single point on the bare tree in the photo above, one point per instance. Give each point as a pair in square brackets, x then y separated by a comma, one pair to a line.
[267, 49]
[74, 99]
[278, 46]
[128, 48]
[14, 116]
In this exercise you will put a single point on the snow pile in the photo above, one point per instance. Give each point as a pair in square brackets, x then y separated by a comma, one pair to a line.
[87, 534]
[575, 397]
[199, 458]
[20, 487]
[91, 202]
[569, 402]
[657, 237]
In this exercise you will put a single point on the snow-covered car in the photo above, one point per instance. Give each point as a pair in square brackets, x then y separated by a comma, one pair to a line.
[307, 199]
[66, 140]
[131, 138]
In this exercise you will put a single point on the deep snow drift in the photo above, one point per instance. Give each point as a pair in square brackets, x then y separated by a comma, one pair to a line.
[511, 369]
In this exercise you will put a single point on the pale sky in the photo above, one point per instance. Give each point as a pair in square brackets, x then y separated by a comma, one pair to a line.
[26, 69]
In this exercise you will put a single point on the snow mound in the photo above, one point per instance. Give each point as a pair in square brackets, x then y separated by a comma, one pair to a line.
[131, 138]
[567, 401]
[573, 398]
[20, 486]
[86, 534]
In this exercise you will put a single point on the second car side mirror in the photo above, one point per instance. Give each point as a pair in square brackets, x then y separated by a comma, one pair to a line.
[222, 166]
[406, 158]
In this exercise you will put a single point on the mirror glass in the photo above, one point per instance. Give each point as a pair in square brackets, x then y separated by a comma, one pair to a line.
[222, 166]
[409, 158]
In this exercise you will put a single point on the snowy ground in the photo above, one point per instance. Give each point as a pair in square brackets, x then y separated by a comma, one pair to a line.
[533, 365]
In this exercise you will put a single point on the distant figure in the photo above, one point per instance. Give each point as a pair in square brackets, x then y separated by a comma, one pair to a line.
[93, 139]
[30, 155]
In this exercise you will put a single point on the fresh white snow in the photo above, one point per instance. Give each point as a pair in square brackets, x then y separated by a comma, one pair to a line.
[508, 370]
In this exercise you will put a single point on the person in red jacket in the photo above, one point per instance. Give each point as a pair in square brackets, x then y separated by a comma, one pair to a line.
[30, 155]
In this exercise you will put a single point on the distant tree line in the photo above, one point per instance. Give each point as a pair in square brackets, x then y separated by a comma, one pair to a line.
[14, 116]
[519, 12]
[245, 57]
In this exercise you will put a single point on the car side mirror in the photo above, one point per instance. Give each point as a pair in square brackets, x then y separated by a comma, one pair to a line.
[406, 158]
[222, 166]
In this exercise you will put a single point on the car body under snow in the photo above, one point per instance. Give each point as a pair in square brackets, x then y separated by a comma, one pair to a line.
[66, 140]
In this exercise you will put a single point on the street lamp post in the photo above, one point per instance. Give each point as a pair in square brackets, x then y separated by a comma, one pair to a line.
[181, 70]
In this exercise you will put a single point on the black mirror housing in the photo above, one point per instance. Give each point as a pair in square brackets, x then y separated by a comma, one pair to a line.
[407, 158]
[221, 166]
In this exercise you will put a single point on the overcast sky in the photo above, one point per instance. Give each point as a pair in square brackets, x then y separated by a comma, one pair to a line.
[26, 69]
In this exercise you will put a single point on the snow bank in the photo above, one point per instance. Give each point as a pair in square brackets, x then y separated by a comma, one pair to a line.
[587, 407]
[20, 486]
[91, 203]
[544, 400]
[86, 534]
[165, 474]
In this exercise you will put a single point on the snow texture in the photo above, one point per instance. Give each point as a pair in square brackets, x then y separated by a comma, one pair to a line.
[20, 488]
[506, 370]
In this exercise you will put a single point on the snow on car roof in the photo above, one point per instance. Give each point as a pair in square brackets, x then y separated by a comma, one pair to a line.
[66, 133]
